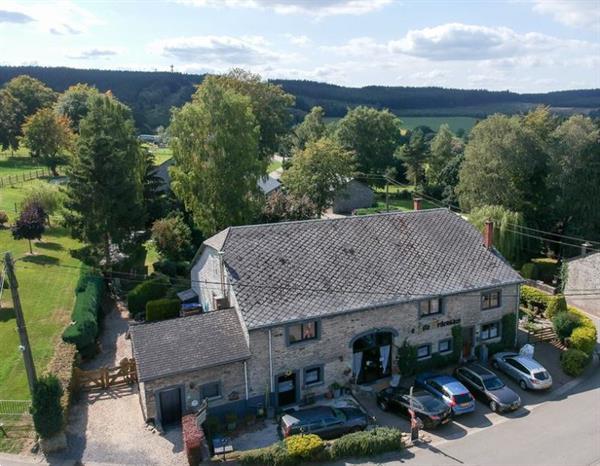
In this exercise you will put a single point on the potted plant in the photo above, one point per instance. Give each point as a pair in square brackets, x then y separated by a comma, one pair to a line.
[336, 389]
[231, 421]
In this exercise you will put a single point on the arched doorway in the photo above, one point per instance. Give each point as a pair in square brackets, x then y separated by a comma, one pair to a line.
[372, 355]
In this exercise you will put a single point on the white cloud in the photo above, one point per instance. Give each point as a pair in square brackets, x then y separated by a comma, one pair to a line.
[576, 13]
[318, 8]
[246, 50]
[93, 53]
[300, 41]
[60, 17]
[359, 46]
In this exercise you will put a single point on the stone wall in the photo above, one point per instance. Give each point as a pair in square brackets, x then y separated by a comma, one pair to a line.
[583, 273]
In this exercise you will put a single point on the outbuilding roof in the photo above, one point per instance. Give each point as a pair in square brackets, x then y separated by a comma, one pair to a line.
[291, 271]
[189, 343]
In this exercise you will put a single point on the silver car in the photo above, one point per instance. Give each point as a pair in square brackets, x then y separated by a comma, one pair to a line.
[529, 373]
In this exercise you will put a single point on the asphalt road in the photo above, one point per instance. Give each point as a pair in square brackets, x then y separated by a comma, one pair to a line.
[565, 431]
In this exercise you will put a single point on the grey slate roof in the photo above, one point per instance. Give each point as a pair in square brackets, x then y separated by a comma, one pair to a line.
[268, 184]
[296, 270]
[188, 343]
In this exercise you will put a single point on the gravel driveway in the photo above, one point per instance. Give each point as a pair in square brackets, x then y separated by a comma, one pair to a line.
[107, 426]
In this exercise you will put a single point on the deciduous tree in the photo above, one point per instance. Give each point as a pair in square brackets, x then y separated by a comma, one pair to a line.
[270, 105]
[74, 103]
[441, 149]
[47, 135]
[311, 129]
[11, 111]
[413, 156]
[30, 224]
[31, 93]
[217, 163]
[319, 171]
[104, 193]
[373, 135]
[281, 207]
[172, 237]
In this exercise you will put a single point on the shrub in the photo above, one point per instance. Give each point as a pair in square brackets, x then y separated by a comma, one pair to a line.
[584, 320]
[149, 290]
[46, 409]
[556, 305]
[88, 303]
[366, 444]
[275, 455]
[573, 362]
[529, 271]
[3, 218]
[407, 359]
[172, 268]
[305, 447]
[546, 269]
[161, 309]
[62, 364]
[531, 297]
[564, 323]
[192, 439]
[584, 339]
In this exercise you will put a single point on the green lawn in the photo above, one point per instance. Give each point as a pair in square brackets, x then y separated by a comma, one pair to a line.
[17, 165]
[47, 296]
[274, 165]
[434, 122]
[161, 154]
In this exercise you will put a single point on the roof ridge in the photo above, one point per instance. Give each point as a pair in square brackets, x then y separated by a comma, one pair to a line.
[349, 217]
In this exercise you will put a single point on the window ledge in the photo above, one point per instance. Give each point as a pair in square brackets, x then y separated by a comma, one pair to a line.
[313, 385]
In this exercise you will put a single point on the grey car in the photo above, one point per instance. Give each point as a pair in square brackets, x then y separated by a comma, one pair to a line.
[488, 388]
[529, 373]
[325, 421]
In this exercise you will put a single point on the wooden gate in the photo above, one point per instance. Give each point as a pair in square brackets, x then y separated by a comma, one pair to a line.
[106, 377]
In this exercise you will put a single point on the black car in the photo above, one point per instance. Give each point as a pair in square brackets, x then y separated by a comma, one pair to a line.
[325, 421]
[488, 388]
[432, 411]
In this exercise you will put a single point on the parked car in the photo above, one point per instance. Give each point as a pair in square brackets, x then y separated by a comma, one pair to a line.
[325, 421]
[432, 411]
[453, 393]
[488, 388]
[527, 371]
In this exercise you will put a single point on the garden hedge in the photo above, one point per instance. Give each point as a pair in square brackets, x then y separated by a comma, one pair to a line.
[584, 339]
[573, 362]
[46, 408]
[531, 297]
[88, 303]
[367, 444]
[564, 323]
[305, 447]
[161, 309]
[556, 305]
[149, 290]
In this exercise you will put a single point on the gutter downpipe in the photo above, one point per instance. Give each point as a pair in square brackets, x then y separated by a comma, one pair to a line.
[517, 315]
[246, 378]
[270, 361]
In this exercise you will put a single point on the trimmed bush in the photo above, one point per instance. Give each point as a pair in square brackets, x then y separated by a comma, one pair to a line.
[583, 339]
[367, 444]
[584, 320]
[556, 305]
[88, 304]
[172, 268]
[305, 447]
[546, 269]
[149, 290]
[564, 323]
[529, 271]
[573, 362]
[62, 364]
[531, 297]
[275, 455]
[161, 309]
[46, 409]
[192, 439]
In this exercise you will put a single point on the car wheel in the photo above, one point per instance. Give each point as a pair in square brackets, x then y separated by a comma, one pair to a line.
[494, 406]
[495, 365]
[523, 385]
[355, 429]
[383, 405]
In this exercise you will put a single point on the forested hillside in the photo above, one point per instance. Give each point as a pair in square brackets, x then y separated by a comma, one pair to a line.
[152, 94]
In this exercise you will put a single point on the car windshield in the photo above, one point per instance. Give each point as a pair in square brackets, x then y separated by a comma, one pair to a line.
[543, 375]
[462, 398]
[493, 383]
[429, 403]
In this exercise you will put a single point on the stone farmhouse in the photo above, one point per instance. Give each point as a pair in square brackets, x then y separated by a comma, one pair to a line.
[288, 309]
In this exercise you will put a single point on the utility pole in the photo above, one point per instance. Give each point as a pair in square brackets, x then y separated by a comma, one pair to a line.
[387, 196]
[21, 328]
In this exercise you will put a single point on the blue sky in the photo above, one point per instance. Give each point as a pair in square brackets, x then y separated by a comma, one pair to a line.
[521, 45]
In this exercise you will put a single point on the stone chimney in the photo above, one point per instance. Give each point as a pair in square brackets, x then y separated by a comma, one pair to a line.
[488, 234]
[417, 203]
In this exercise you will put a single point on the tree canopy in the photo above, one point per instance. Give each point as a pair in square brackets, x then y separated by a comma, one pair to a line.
[31, 224]
[215, 142]
[319, 171]
[74, 103]
[32, 93]
[47, 135]
[413, 155]
[11, 112]
[104, 192]
[312, 128]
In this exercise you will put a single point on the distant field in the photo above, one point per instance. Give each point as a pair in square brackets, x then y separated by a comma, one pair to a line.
[161, 154]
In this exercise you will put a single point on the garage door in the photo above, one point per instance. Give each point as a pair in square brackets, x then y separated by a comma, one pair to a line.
[170, 406]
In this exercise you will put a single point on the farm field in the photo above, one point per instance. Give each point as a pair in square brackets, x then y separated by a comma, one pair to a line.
[17, 164]
[161, 154]
[47, 296]
[434, 122]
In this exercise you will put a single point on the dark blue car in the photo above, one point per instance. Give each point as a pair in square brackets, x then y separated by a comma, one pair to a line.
[453, 393]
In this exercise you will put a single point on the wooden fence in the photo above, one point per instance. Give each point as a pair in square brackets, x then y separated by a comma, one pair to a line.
[105, 377]
[14, 408]
[11, 180]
